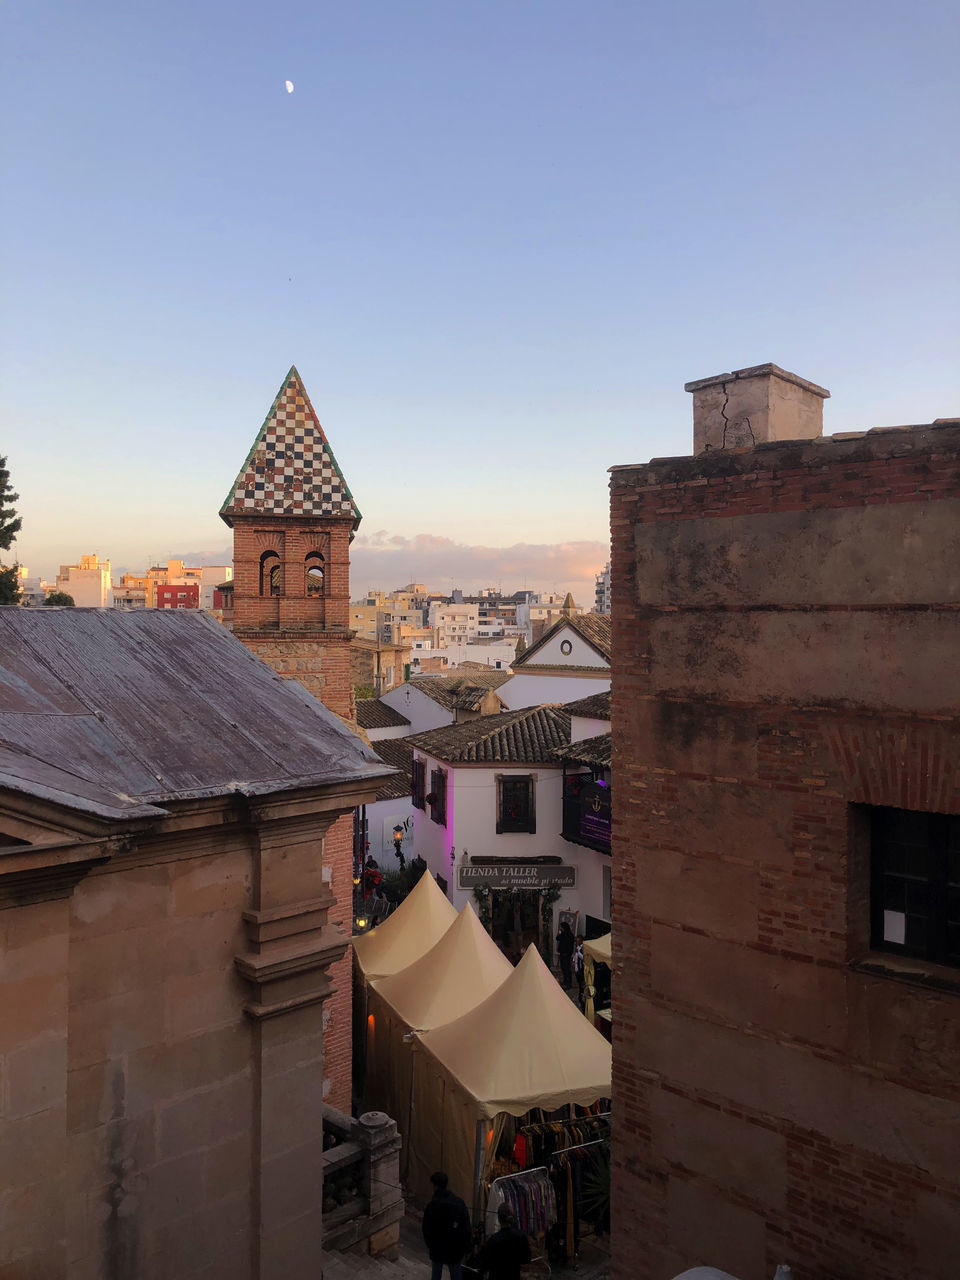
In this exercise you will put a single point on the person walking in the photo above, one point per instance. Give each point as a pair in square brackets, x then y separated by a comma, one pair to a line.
[446, 1229]
[507, 1249]
[565, 952]
[578, 967]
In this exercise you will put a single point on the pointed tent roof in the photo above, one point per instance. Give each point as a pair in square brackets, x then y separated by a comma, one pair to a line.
[290, 470]
[462, 969]
[600, 948]
[421, 920]
[527, 1045]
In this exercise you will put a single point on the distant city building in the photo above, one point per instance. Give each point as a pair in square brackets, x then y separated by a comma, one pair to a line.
[33, 591]
[602, 597]
[180, 595]
[87, 582]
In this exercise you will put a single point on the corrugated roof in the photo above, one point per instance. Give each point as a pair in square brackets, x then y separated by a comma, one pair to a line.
[592, 627]
[114, 712]
[398, 754]
[589, 751]
[596, 706]
[374, 714]
[528, 736]
[447, 689]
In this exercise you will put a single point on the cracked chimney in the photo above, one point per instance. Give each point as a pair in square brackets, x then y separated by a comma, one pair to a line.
[740, 409]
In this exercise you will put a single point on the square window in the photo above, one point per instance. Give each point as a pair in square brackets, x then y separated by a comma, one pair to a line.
[915, 885]
[516, 809]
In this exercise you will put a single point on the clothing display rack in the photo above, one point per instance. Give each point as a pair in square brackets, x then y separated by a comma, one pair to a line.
[530, 1195]
[535, 1143]
[567, 1168]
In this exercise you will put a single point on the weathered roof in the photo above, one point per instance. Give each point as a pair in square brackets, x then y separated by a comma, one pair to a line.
[115, 712]
[447, 689]
[291, 469]
[592, 627]
[528, 736]
[590, 751]
[398, 753]
[596, 706]
[374, 714]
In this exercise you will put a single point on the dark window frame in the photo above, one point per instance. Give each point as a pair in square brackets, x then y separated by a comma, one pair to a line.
[516, 791]
[915, 873]
[418, 784]
[438, 789]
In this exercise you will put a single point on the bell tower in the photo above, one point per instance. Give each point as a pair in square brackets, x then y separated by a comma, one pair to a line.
[293, 518]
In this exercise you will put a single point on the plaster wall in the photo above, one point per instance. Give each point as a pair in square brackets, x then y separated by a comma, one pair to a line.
[524, 689]
[421, 710]
[472, 830]
[582, 727]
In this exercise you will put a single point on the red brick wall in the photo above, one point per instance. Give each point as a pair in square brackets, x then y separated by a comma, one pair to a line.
[308, 639]
[782, 632]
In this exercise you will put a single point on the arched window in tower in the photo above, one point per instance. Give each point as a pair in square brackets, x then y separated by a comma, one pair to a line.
[271, 574]
[314, 574]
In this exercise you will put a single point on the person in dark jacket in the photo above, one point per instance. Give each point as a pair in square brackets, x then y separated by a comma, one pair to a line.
[507, 1250]
[446, 1229]
[565, 943]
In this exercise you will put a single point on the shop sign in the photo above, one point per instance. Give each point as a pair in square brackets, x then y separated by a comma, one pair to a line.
[518, 875]
[595, 813]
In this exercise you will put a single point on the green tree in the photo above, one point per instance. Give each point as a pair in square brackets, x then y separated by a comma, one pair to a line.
[9, 528]
[59, 597]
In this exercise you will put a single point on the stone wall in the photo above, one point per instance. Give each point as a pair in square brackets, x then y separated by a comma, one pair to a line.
[162, 1044]
[785, 634]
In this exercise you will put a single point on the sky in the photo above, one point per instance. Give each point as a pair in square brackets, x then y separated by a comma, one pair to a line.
[495, 238]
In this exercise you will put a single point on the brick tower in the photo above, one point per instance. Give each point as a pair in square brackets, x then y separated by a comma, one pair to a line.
[293, 518]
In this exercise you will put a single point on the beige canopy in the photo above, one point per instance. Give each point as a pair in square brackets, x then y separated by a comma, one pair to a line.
[599, 948]
[526, 1045]
[421, 920]
[459, 971]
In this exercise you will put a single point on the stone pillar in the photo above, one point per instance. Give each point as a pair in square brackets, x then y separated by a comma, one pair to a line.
[291, 946]
[379, 1135]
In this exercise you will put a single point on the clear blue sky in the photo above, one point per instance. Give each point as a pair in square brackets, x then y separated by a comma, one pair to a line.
[496, 238]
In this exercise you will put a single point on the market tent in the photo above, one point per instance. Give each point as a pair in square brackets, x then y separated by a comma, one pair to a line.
[421, 919]
[526, 1045]
[457, 973]
[599, 948]
[596, 950]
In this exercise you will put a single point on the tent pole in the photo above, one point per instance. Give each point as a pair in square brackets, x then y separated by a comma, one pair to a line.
[477, 1171]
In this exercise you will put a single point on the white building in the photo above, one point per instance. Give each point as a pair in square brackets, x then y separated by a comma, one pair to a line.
[488, 813]
[378, 720]
[571, 660]
[453, 623]
[430, 702]
[602, 597]
[87, 582]
[392, 810]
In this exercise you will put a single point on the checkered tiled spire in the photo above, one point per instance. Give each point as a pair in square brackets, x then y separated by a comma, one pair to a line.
[291, 470]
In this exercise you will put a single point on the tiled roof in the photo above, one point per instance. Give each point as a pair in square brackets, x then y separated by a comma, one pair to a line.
[592, 627]
[596, 706]
[374, 714]
[291, 469]
[447, 689]
[398, 753]
[528, 736]
[92, 713]
[592, 751]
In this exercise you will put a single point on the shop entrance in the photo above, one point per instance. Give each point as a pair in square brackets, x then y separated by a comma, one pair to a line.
[515, 920]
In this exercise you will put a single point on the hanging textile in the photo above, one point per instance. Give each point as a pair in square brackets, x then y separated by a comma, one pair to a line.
[531, 1197]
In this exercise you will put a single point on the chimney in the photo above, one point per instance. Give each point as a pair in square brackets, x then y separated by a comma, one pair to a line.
[740, 409]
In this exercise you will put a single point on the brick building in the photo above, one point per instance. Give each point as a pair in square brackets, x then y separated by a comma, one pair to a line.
[293, 518]
[786, 920]
[184, 595]
[165, 949]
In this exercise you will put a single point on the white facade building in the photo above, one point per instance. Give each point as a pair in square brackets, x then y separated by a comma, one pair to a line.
[602, 597]
[572, 660]
[87, 582]
[488, 810]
